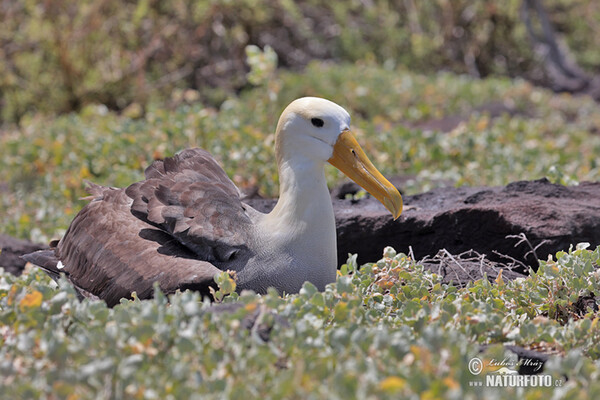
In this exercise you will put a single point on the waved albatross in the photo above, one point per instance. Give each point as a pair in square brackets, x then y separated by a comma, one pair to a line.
[186, 221]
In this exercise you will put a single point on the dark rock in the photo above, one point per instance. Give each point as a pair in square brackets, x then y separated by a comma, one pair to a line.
[351, 188]
[520, 223]
[517, 225]
[347, 188]
[584, 304]
[12, 250]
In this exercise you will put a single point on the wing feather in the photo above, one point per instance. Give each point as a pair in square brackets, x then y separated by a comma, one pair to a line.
[109, 253]
[190, 197]
[179, 227]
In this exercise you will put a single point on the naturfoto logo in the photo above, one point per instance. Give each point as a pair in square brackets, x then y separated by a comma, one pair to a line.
[504, 373]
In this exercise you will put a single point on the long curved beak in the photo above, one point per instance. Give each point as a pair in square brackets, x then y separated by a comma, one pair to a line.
[350, 158]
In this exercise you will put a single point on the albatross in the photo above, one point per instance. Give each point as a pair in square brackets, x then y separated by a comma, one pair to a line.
[187, 221]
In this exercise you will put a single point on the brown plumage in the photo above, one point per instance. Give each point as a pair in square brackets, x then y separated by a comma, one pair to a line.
[187, 212]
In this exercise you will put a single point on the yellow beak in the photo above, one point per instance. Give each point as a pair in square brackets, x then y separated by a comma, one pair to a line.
[350, 158]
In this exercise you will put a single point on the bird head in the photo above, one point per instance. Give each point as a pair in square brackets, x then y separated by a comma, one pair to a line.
[319, 130]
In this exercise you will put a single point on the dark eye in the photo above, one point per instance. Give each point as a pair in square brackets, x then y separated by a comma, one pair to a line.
[318, 122]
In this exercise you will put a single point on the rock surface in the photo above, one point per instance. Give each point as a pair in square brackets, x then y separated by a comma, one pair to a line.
[12, 250]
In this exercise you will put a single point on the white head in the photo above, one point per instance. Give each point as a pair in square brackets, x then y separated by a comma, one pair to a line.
[309, 127]
[313, 130]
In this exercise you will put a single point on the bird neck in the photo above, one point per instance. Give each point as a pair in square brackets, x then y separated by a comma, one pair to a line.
[304, 213]
[303, 194]
[300, 230]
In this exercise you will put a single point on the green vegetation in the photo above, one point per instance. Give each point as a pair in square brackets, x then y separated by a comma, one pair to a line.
[384, 330]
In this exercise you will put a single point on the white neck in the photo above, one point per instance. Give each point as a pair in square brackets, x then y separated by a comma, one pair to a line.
[302, 192]
[302, 223]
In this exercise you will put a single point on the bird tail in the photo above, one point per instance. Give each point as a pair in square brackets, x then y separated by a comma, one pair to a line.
[46, 260]
[51, 264]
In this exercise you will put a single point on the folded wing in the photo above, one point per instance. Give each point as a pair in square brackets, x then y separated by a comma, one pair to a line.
[179, 227]
[190, 198]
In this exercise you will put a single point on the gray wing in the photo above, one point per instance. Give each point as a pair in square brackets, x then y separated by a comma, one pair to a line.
[191, 200]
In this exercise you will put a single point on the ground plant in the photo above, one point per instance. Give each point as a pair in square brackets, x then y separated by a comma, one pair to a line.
[388, 329]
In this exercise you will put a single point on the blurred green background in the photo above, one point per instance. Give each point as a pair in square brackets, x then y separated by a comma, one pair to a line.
[448, 92]
[58, 56]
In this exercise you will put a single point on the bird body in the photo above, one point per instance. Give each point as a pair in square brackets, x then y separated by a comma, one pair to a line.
[186, 221]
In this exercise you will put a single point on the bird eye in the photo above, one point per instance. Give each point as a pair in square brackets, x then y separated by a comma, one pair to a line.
[318, 122]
